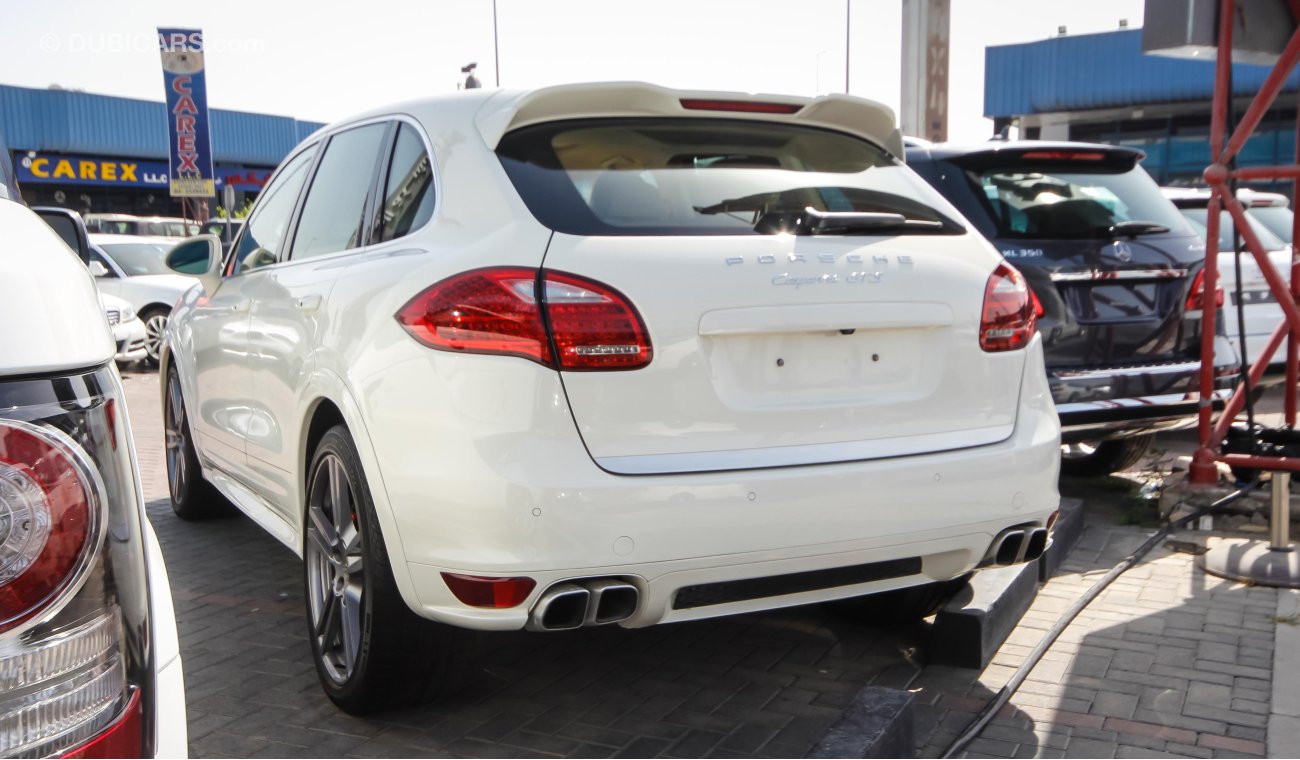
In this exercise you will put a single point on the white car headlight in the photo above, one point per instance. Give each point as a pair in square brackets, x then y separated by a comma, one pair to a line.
[128, 313]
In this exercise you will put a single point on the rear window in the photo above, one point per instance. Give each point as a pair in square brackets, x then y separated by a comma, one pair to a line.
[1276, 218]
[708, 177]
[1200, 216]
[1047, 203]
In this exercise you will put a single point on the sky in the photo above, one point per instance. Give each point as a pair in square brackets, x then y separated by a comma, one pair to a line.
[325, 60]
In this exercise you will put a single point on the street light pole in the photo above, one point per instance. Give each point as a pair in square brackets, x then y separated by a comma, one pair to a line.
[496, 51]
[847, 36]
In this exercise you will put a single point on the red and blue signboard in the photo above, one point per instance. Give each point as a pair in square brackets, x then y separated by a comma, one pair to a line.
[189, 142]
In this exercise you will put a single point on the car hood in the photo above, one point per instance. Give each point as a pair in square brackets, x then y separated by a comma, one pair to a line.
[46, 289]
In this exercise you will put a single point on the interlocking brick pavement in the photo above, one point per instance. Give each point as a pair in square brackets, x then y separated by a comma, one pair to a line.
[747, 686]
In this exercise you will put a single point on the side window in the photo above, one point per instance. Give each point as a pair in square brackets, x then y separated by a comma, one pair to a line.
[408, 191]
[265, 229]
[332, 215]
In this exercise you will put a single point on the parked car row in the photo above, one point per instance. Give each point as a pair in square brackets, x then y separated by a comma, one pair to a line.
[167, 227]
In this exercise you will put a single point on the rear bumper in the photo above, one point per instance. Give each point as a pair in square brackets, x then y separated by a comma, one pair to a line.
[544, 510]
[1108, 403]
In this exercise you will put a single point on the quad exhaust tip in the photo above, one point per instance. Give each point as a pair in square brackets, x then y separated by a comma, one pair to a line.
[574, 604]
[1016, 545]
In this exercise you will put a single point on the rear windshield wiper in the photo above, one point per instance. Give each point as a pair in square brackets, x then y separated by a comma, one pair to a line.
[819, 222]
[1135, 228]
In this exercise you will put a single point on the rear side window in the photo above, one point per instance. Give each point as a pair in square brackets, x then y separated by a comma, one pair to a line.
[408, 191]
[331, 219]
[1047, 203]
[708, 177]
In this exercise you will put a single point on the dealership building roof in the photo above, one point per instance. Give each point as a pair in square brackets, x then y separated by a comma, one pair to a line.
[64, 121]
[1094, 71]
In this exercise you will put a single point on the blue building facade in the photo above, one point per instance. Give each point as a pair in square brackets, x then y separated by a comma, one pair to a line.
[109, 154]
[1102, 88]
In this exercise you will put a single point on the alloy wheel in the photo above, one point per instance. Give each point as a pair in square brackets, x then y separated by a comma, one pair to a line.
[335, 568]
[153, 335]
[175, 431]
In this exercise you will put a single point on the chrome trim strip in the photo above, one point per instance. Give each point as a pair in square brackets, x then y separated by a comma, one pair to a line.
[1136, 403]
[1147, 370]
[1098, 275]
[793, 456]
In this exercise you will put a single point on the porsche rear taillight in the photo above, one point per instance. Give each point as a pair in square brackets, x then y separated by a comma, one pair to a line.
[555, 319]
[1008, 319]
[70, 676]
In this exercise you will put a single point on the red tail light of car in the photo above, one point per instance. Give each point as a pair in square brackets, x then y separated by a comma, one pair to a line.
[578, 324]
[1196, 297]
[74, 615]
[1008, 320]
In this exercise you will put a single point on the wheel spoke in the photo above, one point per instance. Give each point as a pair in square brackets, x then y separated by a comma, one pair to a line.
[322, 532]
[327, 626]
[351, 622]
[340, 494]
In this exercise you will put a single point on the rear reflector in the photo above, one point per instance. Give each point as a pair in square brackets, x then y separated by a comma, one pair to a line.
[122, 739]
[742, 106]
[496, 311]
[1008, 320]
[482, 591]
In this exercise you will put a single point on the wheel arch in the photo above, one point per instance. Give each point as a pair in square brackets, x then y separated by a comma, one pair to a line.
[328, 402]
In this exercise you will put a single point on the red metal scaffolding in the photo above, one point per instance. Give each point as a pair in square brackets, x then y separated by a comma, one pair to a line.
[1217, 176]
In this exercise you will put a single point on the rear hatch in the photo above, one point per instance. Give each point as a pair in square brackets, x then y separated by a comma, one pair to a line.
[782, 334]
[1110, 261]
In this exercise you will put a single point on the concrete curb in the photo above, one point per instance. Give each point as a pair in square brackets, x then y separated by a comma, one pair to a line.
[1069, 527]
[971, 627]
[1284, 707]
[879, 722]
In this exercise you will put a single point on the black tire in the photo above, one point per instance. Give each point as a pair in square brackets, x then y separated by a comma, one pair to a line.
[1117, 455]
[371, 651]
[192, 497]
[904, 605]
[155, 319]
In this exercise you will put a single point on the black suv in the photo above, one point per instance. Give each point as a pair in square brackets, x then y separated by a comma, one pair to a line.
[1116, 274]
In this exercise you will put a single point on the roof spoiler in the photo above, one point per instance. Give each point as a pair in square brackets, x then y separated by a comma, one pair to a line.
[844, 113]
[1056, 155]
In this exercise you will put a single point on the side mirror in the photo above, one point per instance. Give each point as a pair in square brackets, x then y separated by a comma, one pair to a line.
[98, 270]
[199, 256]
[69, 226]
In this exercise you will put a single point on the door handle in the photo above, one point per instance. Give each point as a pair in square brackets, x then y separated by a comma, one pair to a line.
[309, 303]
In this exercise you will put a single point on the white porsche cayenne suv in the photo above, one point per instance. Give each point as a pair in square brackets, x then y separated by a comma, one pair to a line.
[601, 354]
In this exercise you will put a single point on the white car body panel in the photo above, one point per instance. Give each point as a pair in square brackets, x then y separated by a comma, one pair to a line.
[47, 290]
[62, 327]
[475, 462]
